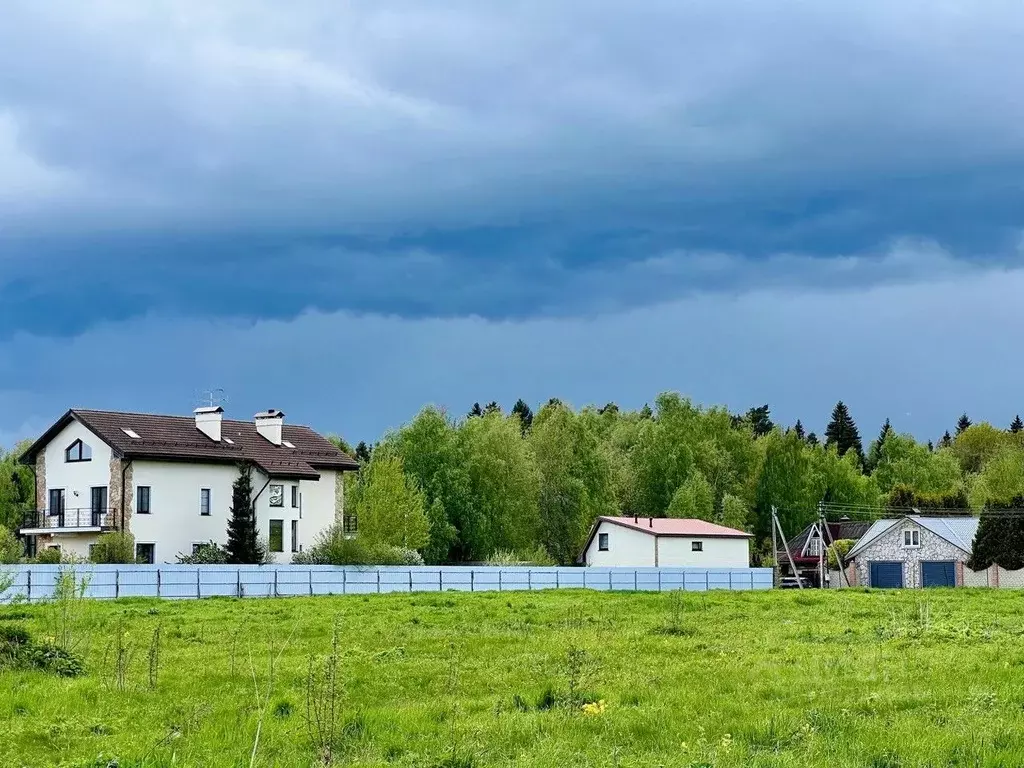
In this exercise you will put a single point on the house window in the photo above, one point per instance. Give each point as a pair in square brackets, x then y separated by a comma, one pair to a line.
[911, 537]
[142, 495]
[277, 535]
[56, 501]
[295, 535]
[204, 502]
[814, 547]
[145, 553]
[277, 495]
[696, 546]
[602, 542]
[99, 504]
[78, 451]
[295, 497]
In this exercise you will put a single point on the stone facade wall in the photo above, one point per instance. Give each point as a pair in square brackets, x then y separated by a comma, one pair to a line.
[339, 496]
[116, 491]
[41, 500]
[889, 548]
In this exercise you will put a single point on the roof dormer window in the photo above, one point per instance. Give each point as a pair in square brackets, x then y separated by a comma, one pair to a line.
[78, 451]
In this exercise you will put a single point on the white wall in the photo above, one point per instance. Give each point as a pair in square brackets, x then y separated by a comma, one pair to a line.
[75, 477]
[625, 547]
[628, 547]
[676, 551]
[174, 523]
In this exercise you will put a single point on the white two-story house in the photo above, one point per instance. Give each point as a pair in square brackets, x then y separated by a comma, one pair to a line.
[168, 481]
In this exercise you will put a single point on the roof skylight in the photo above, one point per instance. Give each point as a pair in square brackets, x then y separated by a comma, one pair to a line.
[131, 433]
[229, 441]
[286, 444]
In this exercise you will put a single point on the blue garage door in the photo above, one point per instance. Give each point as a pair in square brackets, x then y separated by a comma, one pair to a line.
[887, 575]
[938, 574]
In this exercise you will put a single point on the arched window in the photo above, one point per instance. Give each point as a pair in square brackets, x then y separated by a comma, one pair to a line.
[78, 451]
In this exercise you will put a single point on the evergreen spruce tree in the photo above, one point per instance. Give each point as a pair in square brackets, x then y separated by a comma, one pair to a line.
[812, 439]
[931, 447]
[646, 412]
[946, 441]
[242, 547]
[759, 420]
[842, 432]
[492, 407]
[799, 429]
[962, 424]
[525, 414]
[362, 454]
[1016, 425]
[875, 451]
[1000, 537]
[476, 410]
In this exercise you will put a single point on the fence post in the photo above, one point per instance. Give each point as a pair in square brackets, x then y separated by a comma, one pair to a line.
[472, 580]
[609, 581]
[707, 584]
[440, 580]
[29, 597]
[238, 583]
[275, 583]
[410, 581]
[499, 580]
[378, 580]
[117, 582]
[634, 579]
[557, 584]
[659, 579]
[311, 582]
[344, 581]
[529, 579]
[158, 582]
[730, 581]
[199, 591]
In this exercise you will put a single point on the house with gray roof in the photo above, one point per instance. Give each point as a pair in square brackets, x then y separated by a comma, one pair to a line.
[913, 551]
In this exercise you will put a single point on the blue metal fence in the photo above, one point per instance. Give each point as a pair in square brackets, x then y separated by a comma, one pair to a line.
[36, 582]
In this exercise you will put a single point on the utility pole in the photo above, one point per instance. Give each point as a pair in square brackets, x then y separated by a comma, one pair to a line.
[782, 535]
[775, 552]
[821, 547]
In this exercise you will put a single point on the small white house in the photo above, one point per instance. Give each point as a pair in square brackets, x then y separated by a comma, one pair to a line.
[168, 481]
[664, 541]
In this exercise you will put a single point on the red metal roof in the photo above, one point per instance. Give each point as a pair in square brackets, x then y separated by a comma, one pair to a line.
[675, 526]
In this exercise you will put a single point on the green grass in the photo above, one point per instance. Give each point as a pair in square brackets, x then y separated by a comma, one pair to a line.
[728, 679]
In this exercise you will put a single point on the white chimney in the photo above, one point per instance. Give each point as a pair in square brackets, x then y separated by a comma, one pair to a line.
[208, 420]
[270, 424]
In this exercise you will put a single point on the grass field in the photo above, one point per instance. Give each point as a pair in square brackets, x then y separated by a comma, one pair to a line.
[568, 678]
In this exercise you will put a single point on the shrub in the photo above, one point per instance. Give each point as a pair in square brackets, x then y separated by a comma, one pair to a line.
[538, 556]
[334, 547]
[48, 556]
[19, 651]
[840, 548]
[210, 553]
[11, 548]
[115, 547]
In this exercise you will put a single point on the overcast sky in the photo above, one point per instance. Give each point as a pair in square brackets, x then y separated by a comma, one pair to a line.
[350, 210]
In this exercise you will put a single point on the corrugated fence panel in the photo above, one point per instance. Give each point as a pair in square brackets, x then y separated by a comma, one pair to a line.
[36, 582]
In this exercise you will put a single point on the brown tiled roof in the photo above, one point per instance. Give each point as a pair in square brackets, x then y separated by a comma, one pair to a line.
[176, 438]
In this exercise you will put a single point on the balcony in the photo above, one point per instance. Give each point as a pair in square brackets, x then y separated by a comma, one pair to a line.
[76, 520]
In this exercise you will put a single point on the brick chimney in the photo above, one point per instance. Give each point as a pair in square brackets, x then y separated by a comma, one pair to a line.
[270, 424]
[208, 421]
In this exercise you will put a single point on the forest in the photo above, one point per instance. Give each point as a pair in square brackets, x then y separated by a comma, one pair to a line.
[525, 486]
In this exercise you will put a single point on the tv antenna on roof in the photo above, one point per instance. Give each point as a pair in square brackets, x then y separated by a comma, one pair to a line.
[208, 398]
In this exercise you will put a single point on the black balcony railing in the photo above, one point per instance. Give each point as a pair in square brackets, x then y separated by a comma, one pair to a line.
[79, 517]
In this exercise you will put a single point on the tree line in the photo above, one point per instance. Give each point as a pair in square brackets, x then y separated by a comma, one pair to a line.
[526, 487]
[529, 486]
